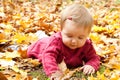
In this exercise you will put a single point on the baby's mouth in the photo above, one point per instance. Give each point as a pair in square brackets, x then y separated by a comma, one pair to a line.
[73, 46]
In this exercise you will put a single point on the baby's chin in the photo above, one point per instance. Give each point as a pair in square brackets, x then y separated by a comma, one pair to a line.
[74, 47]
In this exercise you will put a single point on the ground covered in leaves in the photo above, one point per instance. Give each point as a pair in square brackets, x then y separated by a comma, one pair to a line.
[22, 22]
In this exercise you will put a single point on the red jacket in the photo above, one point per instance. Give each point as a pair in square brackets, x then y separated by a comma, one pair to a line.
[51, 51]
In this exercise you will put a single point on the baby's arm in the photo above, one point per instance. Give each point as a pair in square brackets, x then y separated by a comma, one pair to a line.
[33, 50]
[49, 59]
[92, 61]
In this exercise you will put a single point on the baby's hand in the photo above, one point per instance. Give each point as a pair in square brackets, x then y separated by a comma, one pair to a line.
[56, 76]
[88, 69]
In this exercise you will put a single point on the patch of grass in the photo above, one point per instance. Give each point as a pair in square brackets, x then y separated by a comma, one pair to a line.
[76, 76]
[39, 74]
[80, 75]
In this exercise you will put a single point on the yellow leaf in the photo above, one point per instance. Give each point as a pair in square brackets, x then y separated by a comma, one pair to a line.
[99, 29]
[3, 41]
[9, 27]
[101, 76]
[11, 55]
[91, 78]
[95, 37]
[16, 69]
[17, 16]
[115, 77]
[6, 62]
[18, 77]
[22, 38]
[19, 37]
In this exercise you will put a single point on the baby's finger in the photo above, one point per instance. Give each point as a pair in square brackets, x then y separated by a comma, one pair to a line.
[93, 71]
[81, 68]
[90, 71]
[85, 70]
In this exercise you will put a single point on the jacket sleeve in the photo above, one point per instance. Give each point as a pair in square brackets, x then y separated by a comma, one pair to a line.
[49, 57]
[33, 50]
[91, 58]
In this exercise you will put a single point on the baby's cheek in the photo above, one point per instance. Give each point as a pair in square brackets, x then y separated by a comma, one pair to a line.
[81, 44]
[66, 42]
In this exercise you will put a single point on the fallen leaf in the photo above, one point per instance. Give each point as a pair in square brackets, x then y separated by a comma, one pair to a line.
[23, 52]
[2, 76]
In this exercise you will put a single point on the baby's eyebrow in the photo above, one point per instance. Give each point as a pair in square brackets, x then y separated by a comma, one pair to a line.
[82, 36]
[68, 33]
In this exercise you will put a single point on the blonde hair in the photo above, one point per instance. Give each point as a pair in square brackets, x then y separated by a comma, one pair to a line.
[78, 14]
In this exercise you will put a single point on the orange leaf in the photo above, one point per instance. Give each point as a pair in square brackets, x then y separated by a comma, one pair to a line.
[2, 76]
[22, 52]
[2, 36]
[28, 78]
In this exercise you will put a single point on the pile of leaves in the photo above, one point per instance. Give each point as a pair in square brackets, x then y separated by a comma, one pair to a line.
[22, 22]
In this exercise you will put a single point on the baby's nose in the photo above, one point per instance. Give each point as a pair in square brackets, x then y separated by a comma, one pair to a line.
[74, 42]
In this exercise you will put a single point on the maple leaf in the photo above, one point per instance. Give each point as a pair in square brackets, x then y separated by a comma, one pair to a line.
[19, 38]
[23, 52]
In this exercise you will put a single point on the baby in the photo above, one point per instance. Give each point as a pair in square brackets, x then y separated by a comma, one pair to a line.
[71, 44]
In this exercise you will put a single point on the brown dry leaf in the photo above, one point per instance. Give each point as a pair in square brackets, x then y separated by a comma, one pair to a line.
[28, 78]
[64, 69]
[66, 72]
[35, 62]
[23, 52]
[69, 73]
[2, 76]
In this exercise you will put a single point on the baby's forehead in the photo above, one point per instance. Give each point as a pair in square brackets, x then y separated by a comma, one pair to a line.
[73, 28]
[77, 24]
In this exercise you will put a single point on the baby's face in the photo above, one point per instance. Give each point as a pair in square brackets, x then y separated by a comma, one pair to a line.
[73, 36]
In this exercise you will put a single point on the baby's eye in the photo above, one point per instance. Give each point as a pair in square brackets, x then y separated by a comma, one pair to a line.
[80, 38]
[69, 36]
